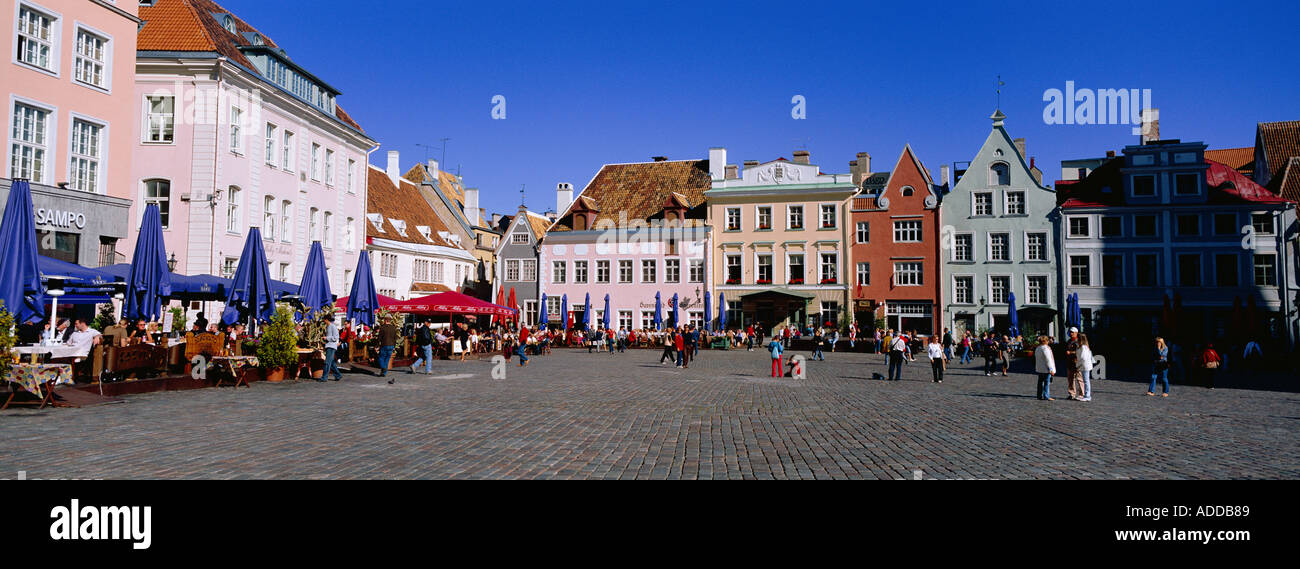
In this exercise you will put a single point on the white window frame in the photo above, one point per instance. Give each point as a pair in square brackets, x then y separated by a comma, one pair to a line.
[726, 267]
[519, 238]
[559, 272]
[1272, 222]
[269, 217]
[1047, 289]
[835, 216]
[902, 268]
[581, 268]
[789, 212]
[758, 226]
[314, 167]
[609, 271]
[327, 230]
[527, 270]
[352, 176]
[771, 261]
[286, 221]
[673, 270]
[974, 202]
[1006, 202]
[100, 159]
[988, 252]
[695, 271]
[54, 44]
[631, 271]
[1011, 283]
[859, 229]
[1046, 246]
[329, 167]
[288, 150]
[512, 270]
[858, 272]
[234, 205]
[270, 143]
[235, 116]
[1069, 227]
[726, 219]
[1069, 269]
[904, 227]
[653, 266]
[49, 146]
[106, 63]
[974, 292]
[145, 200]
[822, 264]
[789, 273]
[952, 256]
[1255, 267]
[166, 121]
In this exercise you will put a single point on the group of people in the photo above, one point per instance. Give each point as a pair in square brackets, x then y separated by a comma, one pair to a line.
[1078, 367]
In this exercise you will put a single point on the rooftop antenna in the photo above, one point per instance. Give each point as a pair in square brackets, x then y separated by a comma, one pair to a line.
[444, 152]
[999, 91]
[426, 148]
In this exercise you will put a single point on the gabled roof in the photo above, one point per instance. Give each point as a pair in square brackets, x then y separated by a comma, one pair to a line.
[640, 189]
[538, 223]
[1104, 187]
[404, 205]
[1280, 141]
[906, 159]
[1241, 159]
[447, 187]
[1287, 182]
[192, 26]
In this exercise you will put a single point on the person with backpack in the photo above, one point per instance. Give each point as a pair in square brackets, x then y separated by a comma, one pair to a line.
[897, 352]
[776, 348]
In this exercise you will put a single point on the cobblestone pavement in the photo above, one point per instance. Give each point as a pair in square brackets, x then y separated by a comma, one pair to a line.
[575, 415]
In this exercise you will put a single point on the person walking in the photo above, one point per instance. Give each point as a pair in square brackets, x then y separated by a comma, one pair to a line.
[1159, 367]
[776, 348]
[669, 353]
[1073, 377]
[424, 343]
[1045, 366]
[897, 350]
[818, 341]
[947, 345]
[749, 338]
[1210, 362]
[989, 345]
[853, 336]
[1004, 354]
[938, 357]
[387, 343]
[1085, 367]
[331, 349]
[966, 348]
[679, 342]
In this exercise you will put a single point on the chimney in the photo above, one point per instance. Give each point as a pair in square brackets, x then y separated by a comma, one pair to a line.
[394, 169]
[1034, 171]
[733, 172]
[1150, 125]
[1110, 153]
[751, 163]
[471, 206]
[860, 168]
[943, 175]
[1020, 146]
[718, 163]
[659, 158]
[433, 168]
[802, 157]
[496, 220]
[563, 196]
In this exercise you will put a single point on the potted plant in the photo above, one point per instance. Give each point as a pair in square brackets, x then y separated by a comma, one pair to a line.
[733, 281]
[764, 281]
[828, 281]
[7, 340]
[796, 281]
[178, 321]
[278, 348]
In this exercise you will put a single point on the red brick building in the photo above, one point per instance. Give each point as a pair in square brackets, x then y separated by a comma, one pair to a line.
[895, 249]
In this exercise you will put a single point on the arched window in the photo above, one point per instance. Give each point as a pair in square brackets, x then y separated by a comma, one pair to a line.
[268, 217]
[999, 174]
[907, 191]
[233, 198]
[159, 193]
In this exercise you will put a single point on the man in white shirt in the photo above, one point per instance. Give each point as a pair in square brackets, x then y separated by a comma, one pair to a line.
[84, 336]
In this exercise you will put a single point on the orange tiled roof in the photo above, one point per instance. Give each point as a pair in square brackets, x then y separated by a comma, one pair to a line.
[430, 287]
[1287, 182]
[641, 189]
[1281, 141]
[405, 204]
[1241, 159]
[450, 185]
[538, 224]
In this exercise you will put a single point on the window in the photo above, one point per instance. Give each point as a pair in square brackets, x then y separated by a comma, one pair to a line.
[329, 230]
[329, 167]
[229, 266]
[625, 271]
[1112, 270]
[733, 219]
[1145, 270]
[436, 271]
[89, 66]
[558, 271]
[907, 274]
[763, 272]
[963, 247]
[864, 274]
[1225, 224]
[908, 191]
[315, 162]
[734, 269]
[1144, 186]
[233, 198]
[625, 320]
[672, 270]
[1112, 226]
[512, 269]
[236, 115]
[999, 246]
[1035, 246]
[696, 269]
[963, 289]
[794, 266]
[36, 37]
[287, 150]
[1015, 203]
[527, 270]
[1080, 270]
[579, 272]
[420, 270]
[1225, 270]
[829, 268]
[268, 217]
[648, 268]
[828, 216]
[907, 231]
[83, 172]
[161, 121]
[1186, 184]
[1262, 222]
[1144, 225]
[1189, 270]
[530, 312]
[1079, 227]
[1035, 289]
[159, 193]
[864, 232]
[387, 265]
[519, 238]
[352, 177]
[284, 271]
[999, 174]
[794, 217]
[350, 235]
[270, 144]
[313, 224]
[1266, 270]
[982, 203]
[999, 286]
[286, 221]
[1188, 225]
[602, 272]
[29, 143]
[764, 217]
[830, 311]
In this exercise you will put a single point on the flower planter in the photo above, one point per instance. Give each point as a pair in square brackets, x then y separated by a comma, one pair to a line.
[317, 367]
[274, 374]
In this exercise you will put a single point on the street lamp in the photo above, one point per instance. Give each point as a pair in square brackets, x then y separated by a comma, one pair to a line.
[171, 263]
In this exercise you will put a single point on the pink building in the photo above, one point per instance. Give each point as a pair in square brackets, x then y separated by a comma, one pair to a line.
[69, 116]
[232, 134]
[635, 230]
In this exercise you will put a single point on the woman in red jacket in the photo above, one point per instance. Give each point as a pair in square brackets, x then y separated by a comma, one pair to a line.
[1210, 362]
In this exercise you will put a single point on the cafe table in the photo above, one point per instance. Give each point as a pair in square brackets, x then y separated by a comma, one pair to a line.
[37, 379]
[237, 366]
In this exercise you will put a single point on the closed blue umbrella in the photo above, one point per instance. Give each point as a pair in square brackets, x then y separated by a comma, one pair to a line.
[1012, 318]
[659, 316]
[149, 280]
[708, 312]
[586, 312]
[315, 287]
[564, 311]
[1078, 312]
[677, 317]
[543, 318]
[363, 301]
[250, 295]
[722, 312]
[1069, 310]
[20, 281]
[606, 319]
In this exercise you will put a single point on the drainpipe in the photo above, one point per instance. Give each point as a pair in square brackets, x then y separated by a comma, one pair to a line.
[212, 203]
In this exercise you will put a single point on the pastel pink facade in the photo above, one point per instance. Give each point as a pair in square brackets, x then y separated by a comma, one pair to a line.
[68, 78]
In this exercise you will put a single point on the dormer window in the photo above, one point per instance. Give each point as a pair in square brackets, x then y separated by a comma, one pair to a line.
[908, 191]
[257, 40]
[377, 221]
[400, 225]
[228, 22]
[425, 231]
[999, 174]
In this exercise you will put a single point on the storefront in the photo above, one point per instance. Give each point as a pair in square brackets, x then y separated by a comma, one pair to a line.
[75, 226]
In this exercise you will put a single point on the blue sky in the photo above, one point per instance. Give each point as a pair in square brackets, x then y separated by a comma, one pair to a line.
[590, 83]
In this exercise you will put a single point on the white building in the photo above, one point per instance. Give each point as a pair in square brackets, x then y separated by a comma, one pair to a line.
[412, 253]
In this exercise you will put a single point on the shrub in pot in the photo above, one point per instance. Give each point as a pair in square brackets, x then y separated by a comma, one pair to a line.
[278, 348]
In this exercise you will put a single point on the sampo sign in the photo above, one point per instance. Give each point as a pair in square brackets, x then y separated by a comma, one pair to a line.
[59, 218]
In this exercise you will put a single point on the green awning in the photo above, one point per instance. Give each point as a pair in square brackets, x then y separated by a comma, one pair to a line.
[778, 291]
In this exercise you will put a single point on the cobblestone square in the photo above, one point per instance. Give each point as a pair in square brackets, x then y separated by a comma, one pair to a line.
[573, 415]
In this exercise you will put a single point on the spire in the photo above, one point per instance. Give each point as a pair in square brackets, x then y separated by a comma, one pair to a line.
[998, 117]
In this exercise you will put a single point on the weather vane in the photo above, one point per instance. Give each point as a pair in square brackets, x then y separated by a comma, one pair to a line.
[521, 194]
[999, 91]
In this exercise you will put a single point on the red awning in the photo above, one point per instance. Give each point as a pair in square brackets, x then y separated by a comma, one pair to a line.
[450, 303]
